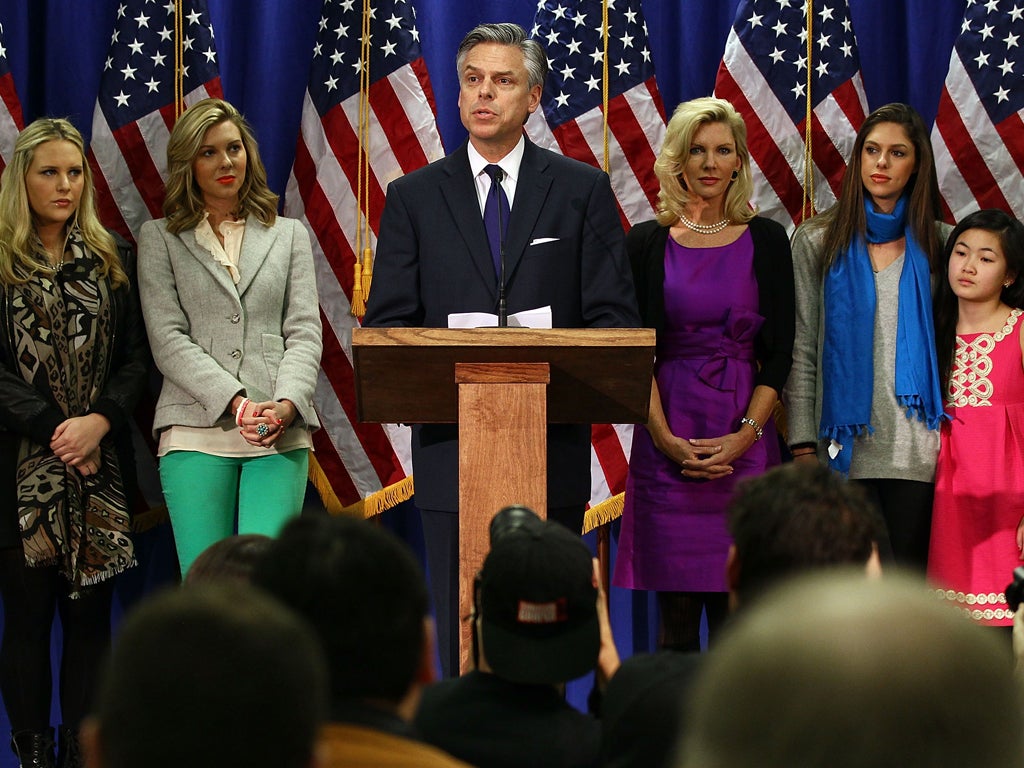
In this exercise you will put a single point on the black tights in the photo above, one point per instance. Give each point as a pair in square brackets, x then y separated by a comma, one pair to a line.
[30, 596]
[906, 508]
[680, 618]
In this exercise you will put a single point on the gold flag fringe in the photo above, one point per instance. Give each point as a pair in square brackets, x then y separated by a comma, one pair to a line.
[372, 505]
[605, 512]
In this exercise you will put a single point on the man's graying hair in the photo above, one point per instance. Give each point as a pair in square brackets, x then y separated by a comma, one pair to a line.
[507, 34]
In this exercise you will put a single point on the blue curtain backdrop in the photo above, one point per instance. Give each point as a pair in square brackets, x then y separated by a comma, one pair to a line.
[57, 49]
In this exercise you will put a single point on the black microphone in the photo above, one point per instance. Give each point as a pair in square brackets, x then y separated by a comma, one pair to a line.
[502, 309]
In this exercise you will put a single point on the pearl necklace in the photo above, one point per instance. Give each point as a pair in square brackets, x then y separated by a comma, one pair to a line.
[705, 229]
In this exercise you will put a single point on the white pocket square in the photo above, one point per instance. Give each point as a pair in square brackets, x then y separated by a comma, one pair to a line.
[542, 240]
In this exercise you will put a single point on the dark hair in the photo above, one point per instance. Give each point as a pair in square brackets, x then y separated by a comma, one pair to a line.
[846, 220]
[364, 594]
[210, 676]
[796, 517]
[947, 310]
[230, 559]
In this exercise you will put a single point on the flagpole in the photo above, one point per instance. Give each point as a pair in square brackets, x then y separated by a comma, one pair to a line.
[807, 200]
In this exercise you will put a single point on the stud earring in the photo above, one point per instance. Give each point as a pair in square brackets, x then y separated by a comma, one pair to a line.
[735, 175]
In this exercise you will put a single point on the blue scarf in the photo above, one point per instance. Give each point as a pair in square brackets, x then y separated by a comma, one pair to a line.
[848, 350]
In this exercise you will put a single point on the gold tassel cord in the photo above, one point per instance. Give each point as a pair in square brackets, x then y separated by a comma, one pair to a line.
[807, 199]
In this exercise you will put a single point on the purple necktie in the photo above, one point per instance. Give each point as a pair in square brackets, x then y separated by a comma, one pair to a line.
[496, 214]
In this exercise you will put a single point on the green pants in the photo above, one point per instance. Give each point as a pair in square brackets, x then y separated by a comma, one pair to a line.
[203, 491]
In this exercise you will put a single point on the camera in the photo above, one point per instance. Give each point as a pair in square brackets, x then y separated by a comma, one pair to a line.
[1015, 590]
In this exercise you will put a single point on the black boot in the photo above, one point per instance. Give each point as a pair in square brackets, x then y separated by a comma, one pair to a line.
[69, 754]
[34, 748]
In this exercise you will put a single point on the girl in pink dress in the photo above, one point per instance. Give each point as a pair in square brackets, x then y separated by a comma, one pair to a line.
[977, 534]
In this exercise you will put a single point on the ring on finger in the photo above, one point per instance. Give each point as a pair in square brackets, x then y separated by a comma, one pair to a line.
[262, 430]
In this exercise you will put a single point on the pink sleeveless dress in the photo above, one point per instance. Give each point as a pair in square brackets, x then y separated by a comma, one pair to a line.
[979, 480]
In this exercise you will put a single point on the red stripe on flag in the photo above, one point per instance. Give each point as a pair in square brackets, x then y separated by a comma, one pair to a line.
[319, 212]
[344, 145]
[334, 468]
[402, 139]
[610, 456]
[966, 157]
[574, 144]
[774, 166]
[826, 156]
[848, 99]
[373, 438]
[144, 172]
[106, 206]
[419, 66]
[637, 151]
[11, 102]
[1012, 132]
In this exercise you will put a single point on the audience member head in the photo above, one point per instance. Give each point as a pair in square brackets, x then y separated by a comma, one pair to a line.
[509, 519]
[230, 559]
[841, 671]
[794, 518]
[210, 676]
[184, 202]
[642, 707]
[536, 605]
[363, 592]
[687, 119]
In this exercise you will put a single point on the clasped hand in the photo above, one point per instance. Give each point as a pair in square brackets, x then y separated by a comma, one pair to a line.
[275, 415]
[707, 458]
[76, 442]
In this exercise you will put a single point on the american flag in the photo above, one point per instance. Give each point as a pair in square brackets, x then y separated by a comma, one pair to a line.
[11, 119]
[139, 98]
[368, 464]
[571, 121]
[978, 136]
[764, 73]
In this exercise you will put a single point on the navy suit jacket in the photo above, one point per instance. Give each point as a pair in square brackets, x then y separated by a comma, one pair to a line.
[564, 248]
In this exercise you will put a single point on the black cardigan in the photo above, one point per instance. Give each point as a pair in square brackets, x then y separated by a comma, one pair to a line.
[773, 270]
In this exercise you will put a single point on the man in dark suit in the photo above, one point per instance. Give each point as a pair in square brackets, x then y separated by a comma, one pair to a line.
[562, 247]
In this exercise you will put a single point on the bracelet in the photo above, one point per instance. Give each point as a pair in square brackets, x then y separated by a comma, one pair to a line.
[805, 452]
[240, 411]
[758, 432]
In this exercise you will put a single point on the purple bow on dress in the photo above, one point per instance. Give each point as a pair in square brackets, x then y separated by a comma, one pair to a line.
[736, 343]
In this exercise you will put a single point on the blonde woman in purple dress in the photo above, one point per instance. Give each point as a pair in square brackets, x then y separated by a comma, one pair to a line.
[716, 282]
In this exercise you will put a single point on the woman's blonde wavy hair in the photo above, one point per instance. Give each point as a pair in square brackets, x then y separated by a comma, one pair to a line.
[183, 204]
[21, 254]
[686, 121]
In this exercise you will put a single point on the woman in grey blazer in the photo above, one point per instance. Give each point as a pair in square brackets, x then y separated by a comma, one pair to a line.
[229, 298]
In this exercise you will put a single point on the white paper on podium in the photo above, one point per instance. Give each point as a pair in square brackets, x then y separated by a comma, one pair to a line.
[528, 318]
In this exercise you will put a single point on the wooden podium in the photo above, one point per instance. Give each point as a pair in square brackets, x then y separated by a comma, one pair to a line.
[503, 386]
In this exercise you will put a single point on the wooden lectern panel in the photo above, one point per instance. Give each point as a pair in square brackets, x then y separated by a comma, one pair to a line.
[598, 375]
[502, 460]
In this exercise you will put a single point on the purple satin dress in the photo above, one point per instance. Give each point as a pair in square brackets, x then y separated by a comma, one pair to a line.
[674, 536]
